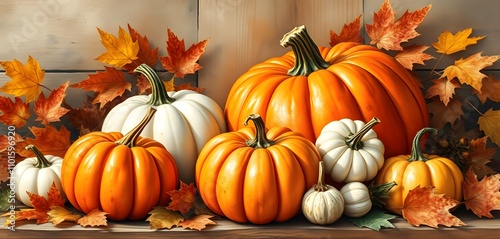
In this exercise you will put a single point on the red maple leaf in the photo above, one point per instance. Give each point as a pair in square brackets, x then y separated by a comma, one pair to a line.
[482, 196]
[41, 206]
[49, 109]
[145, 54]
[15, 112]
[183, 198]
[179, 61]
[349, 33]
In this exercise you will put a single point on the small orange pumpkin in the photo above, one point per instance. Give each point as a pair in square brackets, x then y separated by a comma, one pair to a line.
[124, 176]
[251, 175]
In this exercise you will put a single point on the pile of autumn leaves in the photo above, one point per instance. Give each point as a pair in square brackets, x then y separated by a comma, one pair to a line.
[129, 50]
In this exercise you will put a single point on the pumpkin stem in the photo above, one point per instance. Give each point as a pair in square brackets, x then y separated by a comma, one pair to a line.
[41, 161]
[321, 186]
[416, 151]
[159, 95]
[308, 58]
[380, 192]
[260, 140]
[354, 140]
[130, 138]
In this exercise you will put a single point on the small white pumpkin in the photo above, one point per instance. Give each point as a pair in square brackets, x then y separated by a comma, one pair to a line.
[351, 150]
[357, 199]
[36, 175]
[322, 204]
[185, 120]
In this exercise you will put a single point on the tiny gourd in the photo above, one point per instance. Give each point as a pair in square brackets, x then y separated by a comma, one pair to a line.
[36, 175]
[122, 175]
[323, 204]
[419, 169]
[357, 199]
[351, 150]
[256, 174]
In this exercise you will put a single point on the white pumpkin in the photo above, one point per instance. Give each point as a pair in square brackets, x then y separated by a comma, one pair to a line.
[36, 175]
[322, 204]
[351, 150]
[357, 199]
[185, 120]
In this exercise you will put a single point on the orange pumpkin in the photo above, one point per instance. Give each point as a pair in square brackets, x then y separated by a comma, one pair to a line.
[309, 87]
[251, 175]
[125, 176]
[419, 169]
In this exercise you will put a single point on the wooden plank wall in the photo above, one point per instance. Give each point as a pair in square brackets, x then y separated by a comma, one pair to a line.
[62, 35]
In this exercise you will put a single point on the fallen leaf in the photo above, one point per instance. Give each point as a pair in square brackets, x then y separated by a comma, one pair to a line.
[179, 61]
[349, 33]
[198, 222]
[120, 51]
[94, 218]
[481, 196]
[14, 113]
[58, 214]
[480, 156]
[183, 198]
[49, 109]
[413, 54]
[41, 206]
[443, 88]
[467, 71]
[488, 122]
[26, 79]
[161, 218]
[48, 140]
[388, 33]
[145, 55]
[375, 220]
[490, 89]
[4, 200]
[423, 207]
[443, 114]
[108, 84]
[449, 43]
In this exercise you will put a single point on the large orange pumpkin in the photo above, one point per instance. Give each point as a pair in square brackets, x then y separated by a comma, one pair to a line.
[125, 176]
[309, 87]
[257, 176]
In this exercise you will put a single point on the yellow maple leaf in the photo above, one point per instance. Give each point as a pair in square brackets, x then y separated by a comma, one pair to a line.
[467, 71]
[121, 51]
[444, 88]
[161, 217]
[488, 122]
[449, 43]
[94, 218]
[26, 79]
[59, 214]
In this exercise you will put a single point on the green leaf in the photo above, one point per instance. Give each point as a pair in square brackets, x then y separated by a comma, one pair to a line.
[374, 220]
[4, 200]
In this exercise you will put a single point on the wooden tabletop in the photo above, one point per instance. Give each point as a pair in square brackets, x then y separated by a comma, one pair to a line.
[298, 227]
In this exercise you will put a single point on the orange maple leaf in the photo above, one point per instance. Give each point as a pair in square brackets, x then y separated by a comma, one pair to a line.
[198, 222]
[48, 140]
[442, 114]
[120, 51]
[183, 198]
[41, 206]
[480, 156]
[481, 196]
[26, 79]
[179, 61]
[14, 113]
[108, 84]
[490, 89]
[387, 33]
[488, 122]
[443, 88]
[449, 43]
[145, 54]
[423, 207]
[94, 218]
[349, 33]
[467, 71]
[49, 109]
[413, 54]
